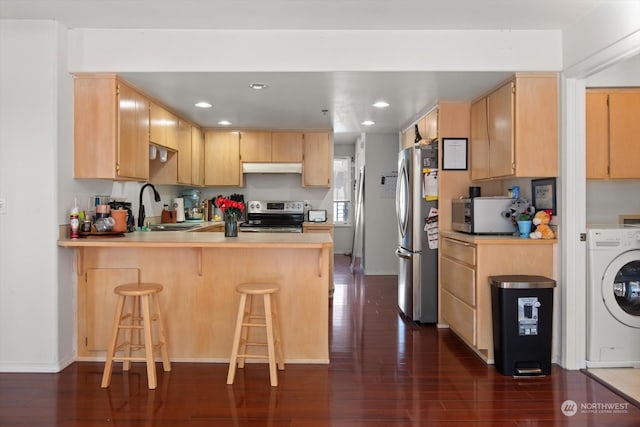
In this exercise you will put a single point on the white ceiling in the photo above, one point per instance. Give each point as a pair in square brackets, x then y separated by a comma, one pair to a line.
[296, 100]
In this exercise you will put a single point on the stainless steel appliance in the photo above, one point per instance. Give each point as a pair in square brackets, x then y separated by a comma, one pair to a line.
[274, 216]
[193, 210]
[418, 263]
[482, 215]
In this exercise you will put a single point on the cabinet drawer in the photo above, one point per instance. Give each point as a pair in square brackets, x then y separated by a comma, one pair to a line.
[462, 251]
[459, 279]
[460, 317]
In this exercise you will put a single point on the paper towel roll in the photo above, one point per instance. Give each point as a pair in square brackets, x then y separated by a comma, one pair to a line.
[178, 206]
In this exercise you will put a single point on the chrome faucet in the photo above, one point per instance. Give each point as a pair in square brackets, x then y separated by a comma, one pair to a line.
[156, 196]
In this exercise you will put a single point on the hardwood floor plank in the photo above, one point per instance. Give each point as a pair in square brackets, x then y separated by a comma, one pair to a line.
[384, 371]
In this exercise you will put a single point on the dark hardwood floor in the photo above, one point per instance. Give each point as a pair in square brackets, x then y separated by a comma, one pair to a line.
[383, 372]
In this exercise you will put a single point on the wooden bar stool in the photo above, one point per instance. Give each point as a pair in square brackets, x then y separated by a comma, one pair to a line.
[145, 298]
[248, 320]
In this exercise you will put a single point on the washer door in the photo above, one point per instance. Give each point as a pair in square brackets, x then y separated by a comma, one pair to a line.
[621, 288]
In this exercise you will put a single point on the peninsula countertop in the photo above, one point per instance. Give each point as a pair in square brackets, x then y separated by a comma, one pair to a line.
[177, 239]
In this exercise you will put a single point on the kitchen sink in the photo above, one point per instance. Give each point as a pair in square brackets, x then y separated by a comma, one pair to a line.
[172, 227]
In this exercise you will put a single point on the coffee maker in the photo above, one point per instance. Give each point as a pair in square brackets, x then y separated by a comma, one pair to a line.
[121, 205]
[193, 210]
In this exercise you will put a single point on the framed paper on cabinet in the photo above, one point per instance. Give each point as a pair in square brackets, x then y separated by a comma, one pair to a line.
[454, 154]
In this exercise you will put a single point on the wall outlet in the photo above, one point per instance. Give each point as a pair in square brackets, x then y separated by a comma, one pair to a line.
[3, 206]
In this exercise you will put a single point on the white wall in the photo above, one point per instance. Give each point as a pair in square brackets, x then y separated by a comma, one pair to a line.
[608, 199]
[380, 231]
[29, 121]
[114, 50]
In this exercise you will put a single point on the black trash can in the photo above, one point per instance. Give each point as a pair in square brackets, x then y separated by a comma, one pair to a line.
[522, 308]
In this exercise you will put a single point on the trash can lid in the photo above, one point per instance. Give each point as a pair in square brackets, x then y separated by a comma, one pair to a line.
[521, 281]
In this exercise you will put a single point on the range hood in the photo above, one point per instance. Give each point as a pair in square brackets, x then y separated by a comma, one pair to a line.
[272, 168]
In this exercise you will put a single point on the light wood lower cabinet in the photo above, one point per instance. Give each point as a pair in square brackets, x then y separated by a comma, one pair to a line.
[311, 227]
[97, 305]
[199, 301]
[465, 293]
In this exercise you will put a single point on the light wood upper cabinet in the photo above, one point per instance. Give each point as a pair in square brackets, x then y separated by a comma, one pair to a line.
[271, 147]
[624, 133]
[317, 164]
[500, 124]
[479, 140]
[222, 158]
[163, 127]
[111, 128]
[428, 126]
[407, 138]
[597, 135]
[522, 128]
[286, 147]
[255, 146]
[184, 152]
[197, 157]
[613, 133]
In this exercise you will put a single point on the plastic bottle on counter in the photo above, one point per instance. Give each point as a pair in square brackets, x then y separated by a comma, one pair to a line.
[74, 222]
[516, 191]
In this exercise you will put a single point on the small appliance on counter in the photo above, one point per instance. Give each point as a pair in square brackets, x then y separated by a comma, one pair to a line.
[314, 215]
[178, 206]
[481, 215]
[193, 211]
[128, 219]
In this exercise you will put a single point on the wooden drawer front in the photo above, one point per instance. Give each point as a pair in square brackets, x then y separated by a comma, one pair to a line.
[460, 317]
[462, 251]
[459, 280]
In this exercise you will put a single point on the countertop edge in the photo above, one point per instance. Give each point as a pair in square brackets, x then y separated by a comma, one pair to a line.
[495, 239]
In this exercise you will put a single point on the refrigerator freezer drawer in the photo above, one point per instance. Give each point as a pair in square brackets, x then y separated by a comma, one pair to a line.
[418, 285]
[409, 267]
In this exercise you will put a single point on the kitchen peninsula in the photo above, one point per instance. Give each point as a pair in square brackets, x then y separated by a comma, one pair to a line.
[199, 272]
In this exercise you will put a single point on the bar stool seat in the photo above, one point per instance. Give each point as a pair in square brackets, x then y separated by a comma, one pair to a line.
[144, 297]
[246, 320]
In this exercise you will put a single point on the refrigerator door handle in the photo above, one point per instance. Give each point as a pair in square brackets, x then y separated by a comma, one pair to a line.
[402, 199]
[403, 254]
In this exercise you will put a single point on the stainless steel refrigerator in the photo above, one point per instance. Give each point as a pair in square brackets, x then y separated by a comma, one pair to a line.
[418, 263]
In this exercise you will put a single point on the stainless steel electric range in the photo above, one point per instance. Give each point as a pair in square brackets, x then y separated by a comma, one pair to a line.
[274, 216]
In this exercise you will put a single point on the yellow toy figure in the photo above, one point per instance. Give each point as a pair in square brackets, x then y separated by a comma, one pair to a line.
[541, 221]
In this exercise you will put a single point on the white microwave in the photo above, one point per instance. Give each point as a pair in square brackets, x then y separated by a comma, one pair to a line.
[482, 215]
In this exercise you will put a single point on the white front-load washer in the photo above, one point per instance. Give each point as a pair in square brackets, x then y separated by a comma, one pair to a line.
[613, 296]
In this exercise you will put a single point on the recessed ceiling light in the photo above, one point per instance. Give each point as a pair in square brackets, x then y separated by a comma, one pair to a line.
[368, 123]
[224, 122]
[203, 104]
[258, 86]
[381, 104]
